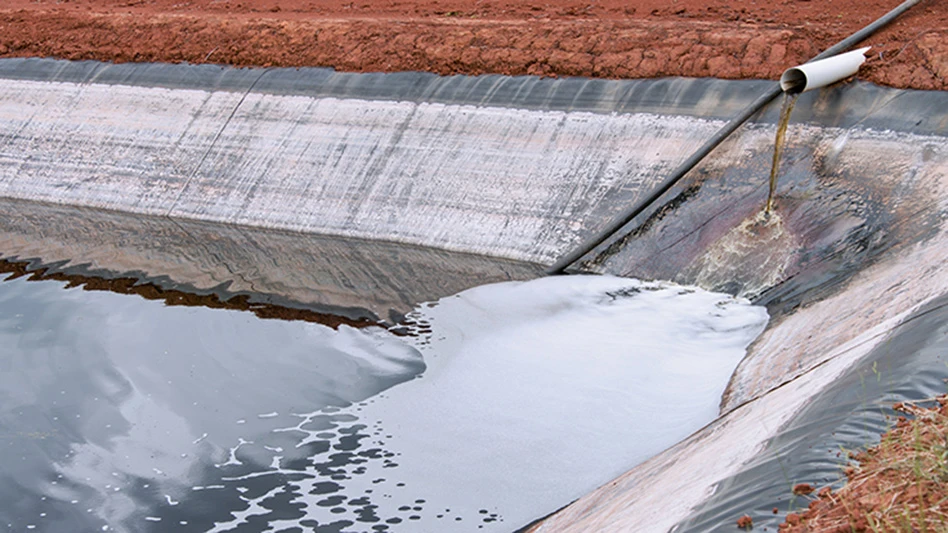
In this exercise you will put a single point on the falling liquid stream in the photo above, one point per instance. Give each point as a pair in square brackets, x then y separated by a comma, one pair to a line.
[788, 101]
[753, 255]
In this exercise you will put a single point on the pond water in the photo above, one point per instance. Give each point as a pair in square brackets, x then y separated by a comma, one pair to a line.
[480, 412]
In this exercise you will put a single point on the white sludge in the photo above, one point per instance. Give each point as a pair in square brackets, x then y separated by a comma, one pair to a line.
[534, 394]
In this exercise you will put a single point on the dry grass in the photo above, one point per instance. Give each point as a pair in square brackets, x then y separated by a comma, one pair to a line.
[900, 485]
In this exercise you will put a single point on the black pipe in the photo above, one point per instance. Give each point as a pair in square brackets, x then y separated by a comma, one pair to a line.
[729, 128]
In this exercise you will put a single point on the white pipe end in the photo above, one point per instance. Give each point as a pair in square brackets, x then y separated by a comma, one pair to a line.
[793, 80]
[821, 73]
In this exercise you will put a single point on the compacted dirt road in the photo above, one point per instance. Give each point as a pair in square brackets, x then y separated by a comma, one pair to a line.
[599, 38]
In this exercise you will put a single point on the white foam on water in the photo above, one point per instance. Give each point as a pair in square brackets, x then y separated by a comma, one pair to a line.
[535, 393]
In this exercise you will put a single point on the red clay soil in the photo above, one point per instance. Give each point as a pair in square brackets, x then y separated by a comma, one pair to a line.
[599, 38]
[899, 485]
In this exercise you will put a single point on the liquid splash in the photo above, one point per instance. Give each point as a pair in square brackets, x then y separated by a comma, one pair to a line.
[747, 259]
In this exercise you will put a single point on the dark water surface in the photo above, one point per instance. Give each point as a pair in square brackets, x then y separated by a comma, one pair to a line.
[118, 410]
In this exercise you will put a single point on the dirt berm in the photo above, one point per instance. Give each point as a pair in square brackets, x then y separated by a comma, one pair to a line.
[604, 38]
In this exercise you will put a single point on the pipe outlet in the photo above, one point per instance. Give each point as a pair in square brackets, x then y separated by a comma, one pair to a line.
[821, 73]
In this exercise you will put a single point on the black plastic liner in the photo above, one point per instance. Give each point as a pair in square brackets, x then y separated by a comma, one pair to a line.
[921, 112]
[910, 365]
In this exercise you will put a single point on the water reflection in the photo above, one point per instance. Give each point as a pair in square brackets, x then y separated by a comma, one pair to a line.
[174, 297]
[116, 411]
[354, 278]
